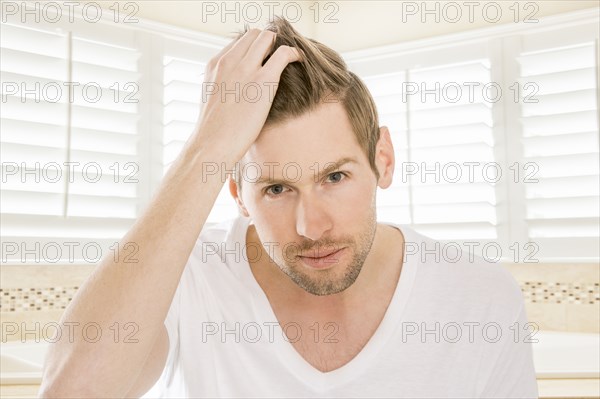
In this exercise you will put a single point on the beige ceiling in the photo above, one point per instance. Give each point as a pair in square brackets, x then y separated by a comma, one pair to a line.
[353, 24]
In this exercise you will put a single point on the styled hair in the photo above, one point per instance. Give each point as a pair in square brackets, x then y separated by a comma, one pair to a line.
[321, 76]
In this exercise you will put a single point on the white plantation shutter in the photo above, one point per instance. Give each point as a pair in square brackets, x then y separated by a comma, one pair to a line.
[560, 143]
[393, 204]
[438, 132]
[446, 134]
[150, 78]
[78, 139]
[33, 129]
[542, 132]
[182, 88]
[183, 73]
[106, 132]
[78, 169]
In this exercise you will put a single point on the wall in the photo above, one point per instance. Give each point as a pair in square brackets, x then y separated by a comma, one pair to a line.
[557, 297]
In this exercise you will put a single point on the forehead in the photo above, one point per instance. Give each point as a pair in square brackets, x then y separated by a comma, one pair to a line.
[320, 136]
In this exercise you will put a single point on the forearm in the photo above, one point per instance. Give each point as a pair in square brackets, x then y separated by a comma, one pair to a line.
[136, 289]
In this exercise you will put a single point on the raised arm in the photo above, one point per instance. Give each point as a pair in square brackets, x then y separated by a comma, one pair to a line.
[141, 293]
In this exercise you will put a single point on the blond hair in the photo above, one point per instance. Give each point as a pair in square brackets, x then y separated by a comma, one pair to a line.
[322, 76]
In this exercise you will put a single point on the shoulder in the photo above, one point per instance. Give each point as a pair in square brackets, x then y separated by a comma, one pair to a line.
[213, 265]
[449, 271]
[217, 232]
[216, 246]
[216, 239]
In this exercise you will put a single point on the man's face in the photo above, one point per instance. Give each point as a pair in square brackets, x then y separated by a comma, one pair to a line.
[303, 207]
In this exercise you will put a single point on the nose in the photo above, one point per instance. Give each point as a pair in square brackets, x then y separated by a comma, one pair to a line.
[312, 220]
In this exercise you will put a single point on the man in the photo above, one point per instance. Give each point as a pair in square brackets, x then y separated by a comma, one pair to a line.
[304, 294]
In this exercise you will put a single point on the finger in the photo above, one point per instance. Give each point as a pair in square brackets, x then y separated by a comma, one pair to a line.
[260, 48]
[240, 48]
[279, 60]
[226, 49]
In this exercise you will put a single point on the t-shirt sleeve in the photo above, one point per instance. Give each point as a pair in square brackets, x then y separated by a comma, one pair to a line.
[513, 373]
[172, 322]
[161, 387]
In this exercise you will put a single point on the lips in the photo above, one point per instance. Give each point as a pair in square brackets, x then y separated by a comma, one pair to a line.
[325, 260]
[319, 254]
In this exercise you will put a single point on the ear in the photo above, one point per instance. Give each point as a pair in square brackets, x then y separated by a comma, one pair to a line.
[233, 189]
[384, 158]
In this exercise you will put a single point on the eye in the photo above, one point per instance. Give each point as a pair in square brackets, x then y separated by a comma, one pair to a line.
[337, 176]
[274, 190]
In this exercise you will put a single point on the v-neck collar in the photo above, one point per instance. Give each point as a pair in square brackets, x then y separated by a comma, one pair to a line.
[289, 356]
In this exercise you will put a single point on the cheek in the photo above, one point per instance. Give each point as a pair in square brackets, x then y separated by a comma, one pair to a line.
[275, 239]
[353, 198]
[271, 226]
[255, 204]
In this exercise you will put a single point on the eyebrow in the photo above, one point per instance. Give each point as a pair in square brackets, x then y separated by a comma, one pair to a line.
[329, 168]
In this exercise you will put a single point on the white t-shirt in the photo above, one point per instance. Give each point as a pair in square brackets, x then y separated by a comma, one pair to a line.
[452, 329]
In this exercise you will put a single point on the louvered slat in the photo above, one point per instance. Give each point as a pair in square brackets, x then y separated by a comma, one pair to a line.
[43, 200]
[561, 140]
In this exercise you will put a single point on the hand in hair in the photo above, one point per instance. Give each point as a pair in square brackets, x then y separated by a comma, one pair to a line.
[238, 92]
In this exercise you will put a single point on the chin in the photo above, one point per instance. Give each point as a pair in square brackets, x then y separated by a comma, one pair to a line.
[321, 282]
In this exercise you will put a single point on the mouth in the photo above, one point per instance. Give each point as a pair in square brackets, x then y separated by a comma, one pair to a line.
[325, 260]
